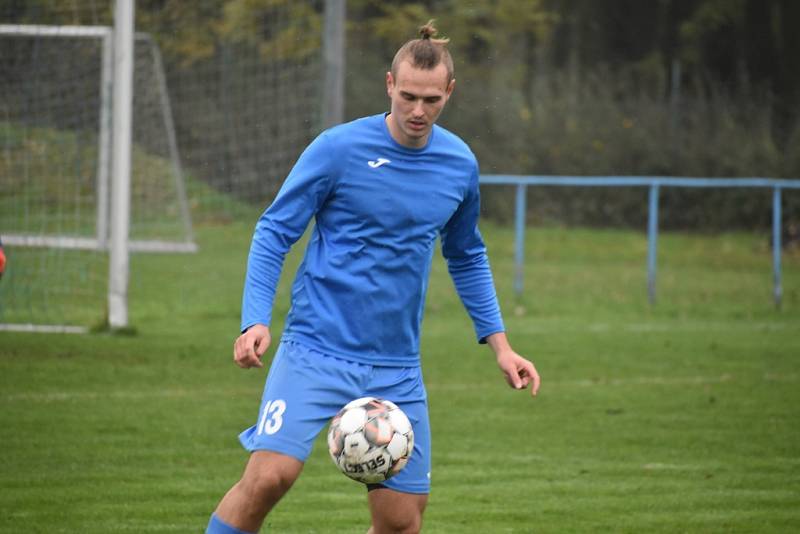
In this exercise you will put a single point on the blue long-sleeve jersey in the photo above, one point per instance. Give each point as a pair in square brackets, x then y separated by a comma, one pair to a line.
[378, 207]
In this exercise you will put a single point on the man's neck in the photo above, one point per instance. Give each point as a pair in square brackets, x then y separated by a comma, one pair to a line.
[398, 135]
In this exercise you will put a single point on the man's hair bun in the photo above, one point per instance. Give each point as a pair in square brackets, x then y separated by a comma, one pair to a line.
[428, 30]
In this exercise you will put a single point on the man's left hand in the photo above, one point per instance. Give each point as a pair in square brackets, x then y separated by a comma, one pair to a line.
[518, 371]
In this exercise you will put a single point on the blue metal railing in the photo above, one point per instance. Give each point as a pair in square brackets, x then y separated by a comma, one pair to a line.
[654, 183]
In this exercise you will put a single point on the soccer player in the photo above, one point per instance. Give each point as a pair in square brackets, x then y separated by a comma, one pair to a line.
[381, 189]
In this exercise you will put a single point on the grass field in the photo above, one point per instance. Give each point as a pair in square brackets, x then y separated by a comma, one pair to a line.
[684, 417]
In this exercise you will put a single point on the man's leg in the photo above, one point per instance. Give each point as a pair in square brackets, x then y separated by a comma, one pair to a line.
[398, 503]
[394, 512]
[304, 389]
[267, 477]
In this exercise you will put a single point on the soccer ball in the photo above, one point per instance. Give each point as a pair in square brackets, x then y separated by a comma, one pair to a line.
[370, 440]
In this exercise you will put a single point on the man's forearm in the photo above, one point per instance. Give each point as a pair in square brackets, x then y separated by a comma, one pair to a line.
[498, 342]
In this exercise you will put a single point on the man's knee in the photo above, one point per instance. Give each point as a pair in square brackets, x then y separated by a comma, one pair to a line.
[396, 513]
[265, 483]
[410, 523]
[269, 475]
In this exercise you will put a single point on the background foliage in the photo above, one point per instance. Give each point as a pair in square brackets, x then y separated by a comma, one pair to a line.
[565, 87]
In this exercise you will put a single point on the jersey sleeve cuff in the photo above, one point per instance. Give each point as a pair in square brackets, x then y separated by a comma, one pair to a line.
[482, 336]
[246, 325]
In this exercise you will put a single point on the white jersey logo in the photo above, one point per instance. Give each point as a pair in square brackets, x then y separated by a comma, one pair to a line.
[378, 163]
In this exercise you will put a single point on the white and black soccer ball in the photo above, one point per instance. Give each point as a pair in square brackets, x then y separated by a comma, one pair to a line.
[370, 440]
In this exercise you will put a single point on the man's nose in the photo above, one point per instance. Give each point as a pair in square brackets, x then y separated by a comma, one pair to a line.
[418, 110]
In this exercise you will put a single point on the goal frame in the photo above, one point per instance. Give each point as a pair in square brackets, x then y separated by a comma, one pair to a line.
[107, 238]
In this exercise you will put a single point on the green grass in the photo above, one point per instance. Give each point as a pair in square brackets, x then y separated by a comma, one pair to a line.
[684, 417]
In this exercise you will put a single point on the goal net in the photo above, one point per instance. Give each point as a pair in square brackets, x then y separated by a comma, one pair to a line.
[55, 139]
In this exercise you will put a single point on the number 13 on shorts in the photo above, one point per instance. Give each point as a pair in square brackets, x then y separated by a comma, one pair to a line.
[272, 417]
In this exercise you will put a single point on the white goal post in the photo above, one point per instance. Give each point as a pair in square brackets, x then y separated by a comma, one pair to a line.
[112, 215]
[105, 34]
[100, 242]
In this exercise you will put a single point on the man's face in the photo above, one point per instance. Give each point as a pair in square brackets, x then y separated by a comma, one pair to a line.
[418, 97]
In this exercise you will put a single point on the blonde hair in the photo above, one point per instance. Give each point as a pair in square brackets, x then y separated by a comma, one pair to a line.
[425, 52]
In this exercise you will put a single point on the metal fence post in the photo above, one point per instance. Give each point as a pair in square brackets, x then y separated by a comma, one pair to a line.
[776, 245]
[519, 245]
[652, 243]
[654, 184]
[333, 56]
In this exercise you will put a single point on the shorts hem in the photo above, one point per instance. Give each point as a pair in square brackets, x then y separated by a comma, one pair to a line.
[288, 449]
[415, 489]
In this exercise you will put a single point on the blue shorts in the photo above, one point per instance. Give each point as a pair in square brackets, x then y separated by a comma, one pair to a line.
[306, 388]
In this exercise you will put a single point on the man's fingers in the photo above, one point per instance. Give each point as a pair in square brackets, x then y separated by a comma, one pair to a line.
[245, 353]
[240, 355]
[534, 376]
[528, 375]
[249, 360]
[261, 346]
[237, 350]
[512, 376]
[251, 356]
[519, 372]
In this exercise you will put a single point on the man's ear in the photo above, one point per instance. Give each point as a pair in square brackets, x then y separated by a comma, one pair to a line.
[389, 83]
[450, 87]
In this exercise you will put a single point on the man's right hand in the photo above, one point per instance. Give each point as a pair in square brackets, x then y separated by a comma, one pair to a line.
[251, 346]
